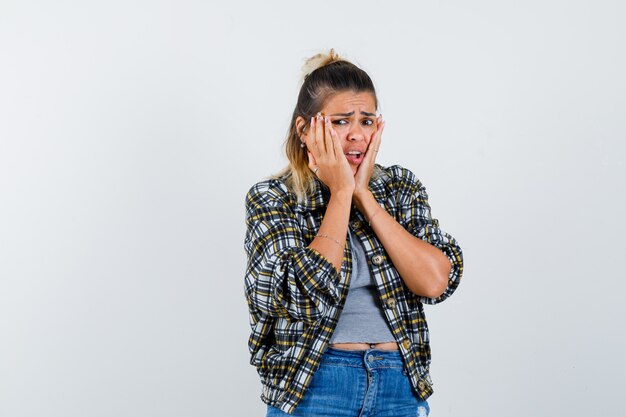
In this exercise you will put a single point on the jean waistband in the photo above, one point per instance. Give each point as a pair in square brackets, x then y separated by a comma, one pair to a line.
[369, 357]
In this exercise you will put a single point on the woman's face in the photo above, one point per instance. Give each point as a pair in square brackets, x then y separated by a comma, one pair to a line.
[353, 117]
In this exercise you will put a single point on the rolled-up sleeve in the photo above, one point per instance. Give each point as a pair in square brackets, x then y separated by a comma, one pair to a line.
[416, 218]
[284, 277]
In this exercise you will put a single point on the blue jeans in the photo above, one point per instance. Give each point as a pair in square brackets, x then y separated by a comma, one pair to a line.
[359, 383]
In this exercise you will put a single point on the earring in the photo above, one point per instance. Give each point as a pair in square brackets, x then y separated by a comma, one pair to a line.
[302, 145]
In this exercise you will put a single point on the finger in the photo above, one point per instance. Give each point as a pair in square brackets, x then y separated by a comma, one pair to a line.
[312, 160]
[328, 139]
[374, 146]
[312, 143]
[336, 145]
[379, 124]
[319, 133]
[379, 131]
[377, 140]
[313, 163]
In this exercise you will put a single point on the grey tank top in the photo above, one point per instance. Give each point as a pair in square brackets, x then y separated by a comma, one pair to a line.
[362, 319]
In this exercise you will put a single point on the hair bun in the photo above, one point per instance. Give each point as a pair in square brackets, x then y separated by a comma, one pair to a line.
[318, 61]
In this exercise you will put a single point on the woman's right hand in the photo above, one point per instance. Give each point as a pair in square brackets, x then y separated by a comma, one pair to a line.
[326, 158]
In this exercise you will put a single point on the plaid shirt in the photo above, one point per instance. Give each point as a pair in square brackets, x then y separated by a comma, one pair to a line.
[295, 295]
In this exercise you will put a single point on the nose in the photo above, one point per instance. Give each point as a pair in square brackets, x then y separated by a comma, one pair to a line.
[356, 133]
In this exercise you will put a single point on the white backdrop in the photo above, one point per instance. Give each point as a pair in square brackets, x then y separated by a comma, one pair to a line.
[130, 132]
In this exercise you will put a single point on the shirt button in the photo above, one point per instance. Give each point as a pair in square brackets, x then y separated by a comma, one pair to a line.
[391, 302]
[356, 224]
[377, 259]
[421, 385]
[406, 343]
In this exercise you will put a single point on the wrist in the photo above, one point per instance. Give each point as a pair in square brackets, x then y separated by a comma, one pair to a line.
[363, 198]
[343, 194]
[368, 206]
[373, 214]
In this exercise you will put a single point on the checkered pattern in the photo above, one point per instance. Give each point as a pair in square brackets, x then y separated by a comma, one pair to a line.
[295, 295]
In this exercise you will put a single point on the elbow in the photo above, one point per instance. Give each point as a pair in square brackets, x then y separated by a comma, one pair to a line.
[439, 283]
[432, 288]
[437, 288]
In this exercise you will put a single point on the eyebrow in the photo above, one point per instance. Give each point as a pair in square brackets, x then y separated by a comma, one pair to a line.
[364, 113]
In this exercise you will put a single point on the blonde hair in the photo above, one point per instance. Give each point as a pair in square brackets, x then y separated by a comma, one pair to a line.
[323, 75]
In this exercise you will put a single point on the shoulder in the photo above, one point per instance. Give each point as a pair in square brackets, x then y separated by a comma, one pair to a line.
[398, 177]
[269, 192]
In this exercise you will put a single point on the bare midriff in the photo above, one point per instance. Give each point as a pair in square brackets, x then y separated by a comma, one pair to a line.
[365, 346]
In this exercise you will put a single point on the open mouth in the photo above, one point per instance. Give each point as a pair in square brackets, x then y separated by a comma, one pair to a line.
[355, 157]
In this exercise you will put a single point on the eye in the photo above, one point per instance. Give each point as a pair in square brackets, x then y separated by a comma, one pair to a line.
[368, 122]
[340, 122]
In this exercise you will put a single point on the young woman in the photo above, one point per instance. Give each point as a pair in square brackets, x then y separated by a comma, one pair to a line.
[342, 255]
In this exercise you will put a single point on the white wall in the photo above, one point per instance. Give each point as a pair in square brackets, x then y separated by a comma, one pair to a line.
[130, 132]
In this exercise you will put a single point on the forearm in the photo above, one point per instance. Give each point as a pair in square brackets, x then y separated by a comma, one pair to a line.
[331, 236]
[423, 267]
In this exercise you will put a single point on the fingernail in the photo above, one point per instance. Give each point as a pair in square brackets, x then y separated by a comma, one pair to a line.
[325, 119]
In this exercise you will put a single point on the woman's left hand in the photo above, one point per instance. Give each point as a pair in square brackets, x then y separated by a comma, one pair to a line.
[364, 172]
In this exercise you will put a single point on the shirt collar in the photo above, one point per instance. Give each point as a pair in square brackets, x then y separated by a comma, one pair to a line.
[317, 199]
